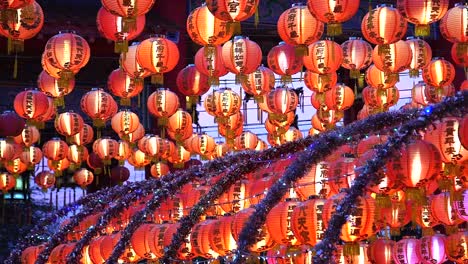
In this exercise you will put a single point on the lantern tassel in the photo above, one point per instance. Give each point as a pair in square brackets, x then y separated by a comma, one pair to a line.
[395, 231]
[416, 195]
[334, 29]
[286, 79]
[59, 102]
[65, 77]
[414, 73]
[98, 123]
[15, 45]
[354, 74]
[422, 30]
[351, 249]
[256, 17]
[360, 80]
[162, 121]
[213, 81]
[121, 46]
[179, 165]
[234, 27]
[157, 78]
[301, 50]
[428, 231]
[15, 67]
[125, 102]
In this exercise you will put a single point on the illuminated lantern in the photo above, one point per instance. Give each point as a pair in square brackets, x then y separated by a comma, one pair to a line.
[221, 238]
[342, 174]
[333, 13]
[156, 239]
[128, 10]
[395, 58]
[179, 157]
[207, 30]
[307, 221]
[282, 60]
[221, 150]
[158, 55]
[58, 166]
[185, 250]
[140, 241]
[203, 145]
[241, 56]
[200, 242]
[7, 150]
[85, 136]
[320, 83]
[159, 169]
[55, 149]
[370, 143]
[123, 86]
[419, 95]
[125, 122]
[456, 247]
[453, 25]
[14, 4]
[282, 100]
[123, 152]
[259, 82]
[380, 98]
[279, 223]
[29, 136]
[210, 63]
[317, 124]
[431, 249]
[139, 159]
[380, 251]
[31, 156]
[30, 104]
[135, 135]
[378, 79]
[180, 124]
[404, 251]
[26, 23]
[11, 125]
[383, 25]
[264, 240]
[106, 148]
[30, 254]
[154, 146]
[7, 182]
[357, 55]
[67, 52]
[130, 64]
[107, 246]
[443, 209]
[223, 104]
[461, 204]
[340, 97]
[463, 132]
[281, 120]
[275, 130]
[233, 12]
[359, 224]
[77, 154]
[329, 117]
[397, 215]
[439, 72]
[233, 199]
[460, 58]
[49, 85]
[68, 124]
[192, 83]
[422, 13]
[444, 135]
[292, 134]
[50, 113]
[297, 26]
[162, 104]
[111, 27]
[45, 179]
[83, 177]
[314, 182]
[325, 56]
[98, 105]
[95, 163]
[61, 252]
[247, 140]
[422, 55]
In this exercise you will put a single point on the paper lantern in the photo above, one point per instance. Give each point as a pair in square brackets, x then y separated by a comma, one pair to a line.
[439, 72]
[419, 95]
[456, 247]
[443, 211]
[292, 134]
[55, 149]
[30, 104]
[422, 55]
[333, 13]
[159, 169]
[156, 146]
[232, 201]
[221, 150]
[158, 55]
[259, 82]
[381, 99]
[281, 120]
[68, 123]
[112, 27]
[297, 26]
[67, 52]
[129, 63]
[58, 166]
[223, 103]
[221, 238]
[135, 135]
[7, 182]
[210, 63]
[357, 55]
[340, 97]
[107, 246]
[422, 13]
[179, 123]
[30, 254]
[329, 117]
[404, 251]
[106, 148]
[395, 58]
[98, 105]
[119, 174]
[123, 86]
[7, 150]
[307, 221]
[14, 4]
[432, 249]
[383, 25]
[282, 100]
[192, 83]
[283, 60]
[139, 159]
[320, 83]
[275, 130]
[83, 177]
[184, 252]
[247, 140]
[31, 156]
[200, 241]
[156, 239]
[11, 125]
[459, 58]
[233, 12]
[378, 79]
[128, 10]
[85, 136]
[325, 56]
[45, 180]
[49, 114]
[279, 223]
[49, 85]
[141, 240]
[380, 251]
[453, 25]
[395, 216]
[264, 240]
[29, 136]
[125, 122]
[241, 56]
[77, 154]
[341, 174]
[207, 30]
[203, 144]
[162, 104]
[179, 157]
[60, 253]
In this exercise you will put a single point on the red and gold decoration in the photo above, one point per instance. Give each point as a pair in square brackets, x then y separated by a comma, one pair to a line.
[422, 13]
[283, 60]
[333, 13]
[122, 85]
[357, 55]
[192, 84]
[241, 56]
[233, 12]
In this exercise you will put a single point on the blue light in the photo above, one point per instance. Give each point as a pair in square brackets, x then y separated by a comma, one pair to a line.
[428, 109]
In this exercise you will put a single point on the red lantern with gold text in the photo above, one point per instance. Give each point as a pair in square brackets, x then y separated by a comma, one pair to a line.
[29, 136]
[55, 149]
[31, 156]
[159, 169]
[307, 221]
[439, 72]
[158, 55]
[392, 59]
[233, 13]
[422, 13]
[30, 104]
[340, 97]
[380, 251]
[140, 241]
[221, 239]
[179, 123]
[325, 56]
[203, 145]
[283, 60]
[128, 10]
[397, 215]
[282, 100]
[381, 99]
[279, 223]
[135, 135]
[200, 242]
[162, 104]
[7, 150]
[106, 148]
[320, 83]
[7, 182]
[69, 124]
[49, 85]
[456, 247]
[85, 136]
[210, 63]
[259, 82]
[45, 179]
[357, 55]
[130, 64]
[443, 211]
[76, 155]
[98, 105]
[297, 26]
[292, 134]
[123, 152]
[333, 13]
[223, 104]
[264, 241]
[383, 25]
[247, 140]
[111, 27]
[179, 157]
[185, 251]
[192, 84]
[459, 58]
[125, 122]
[58, 166]
[123, 86]
[422, 55]
[241, 56]
[378, 79]
[453, 26]
[139, 159]
[83, 177]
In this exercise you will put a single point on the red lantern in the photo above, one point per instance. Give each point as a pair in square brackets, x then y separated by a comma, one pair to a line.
[50, 113]
[259, 82]
[122, 85]
[58, 166]
[128, 10]
[135, 135]
[210, 63]
[130, 64]
[463, 132]
[106, 148]
[68, 124]
[325, 56]
[223, 104]
[404, 251]
[333, 13]
[383, 25]
[192, 83]
[357, 55]
[45, 179]
[180, 123]
[279, 223]
[422, 55]
[14, 4]
[203, 145]
[55, 149]
[158, 55]
[320, 83]
[247, 140]
[442, 209]
[49, 85]
[29, 136]
[207, 30]
[30, 254]
[221, 237]
[263, 242]
[85, 136]
[162, 104]
[185, 250]
[381, 99]
[378, 79]
[31, 156]
[460, 58]
[30, 104]
[7, 150]
[233, 13]
[11, 125]
[119, 174]
[283, 60]
[125, 122]
[380, 251]
[139, 159]
[422, 13]
[98, 105]
[292, 134]
[456, 247]
[340, 97]
[141, 241]
[453, 25]
[77, 154]
[439, 72]
[112, 27]
[307, 221]
[297, 26]
[123, 152]
[83, 177]
[7, 182]
[159, 169]
[395, 58]
[431, 249]
[200, 241]
[282, 100]
[241, 56]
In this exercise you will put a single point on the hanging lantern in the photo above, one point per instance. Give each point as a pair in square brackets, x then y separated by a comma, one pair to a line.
[49, 85]
[383, 25]
[200, 242]
[106, 148]
[395, 216]
[129, 63]
[439, 72]
[123, 152]
[340, 97]
[30, 104]
[158, 55]
[444, 136]
[325, 56]
[282, 100]
[378, 79]
[380, 251]
[241, 56]
[223, 104]
[49, 114]
[233, 12]
[456, 247]
[314, 182]
[159, 169]
[111, 27]
[14, 4]
[76, 155]
[55, 149]
[155, 146]
[342, 174]
[281, 120]
[85, 136]
[7, 182]
[180, 123]
[185, 250]
[432, 249]
[419, 95]
[67, 52]
[232, 201]
[107, 246]
[203, 145]
[98, 105]
[141, 240]
[119, 174]
[333, 13]
[29, 136]
[123, 86]
[247, 140]
[292, 134]
[162, 104]
[45, 180]
[30, 254]
[307, 221]
[125, 122]
[422, 13]
[422, 55]
[210, 63]
[135, 135]
[392, 59]
[192, 84]
[404, 251]
[68, 124]
[139, 159]
[279, 223]
[443, 210]
[453, 26]
[7, 150]
[128, 10]
[460, 58]
[264, 240]
[275, 130]
[320, 83]
[83, 177]
[329, 117]
[297, 26]
[282, 60]
[221, 237]
[11, 125]
[221, 150]
[26, 23]
[31, 156]
[259, 82]
[357, 55]
[381, 99]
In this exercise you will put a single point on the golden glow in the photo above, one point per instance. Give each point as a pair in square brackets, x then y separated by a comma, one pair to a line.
[210, 21]
[67, 56]
[438, 70]
[18, 21]
[382, 21]
[427, 7]
[283, 61]
[119, 24]
[416, 169]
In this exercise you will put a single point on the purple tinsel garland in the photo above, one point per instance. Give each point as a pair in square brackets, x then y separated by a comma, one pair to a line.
[321, 148]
